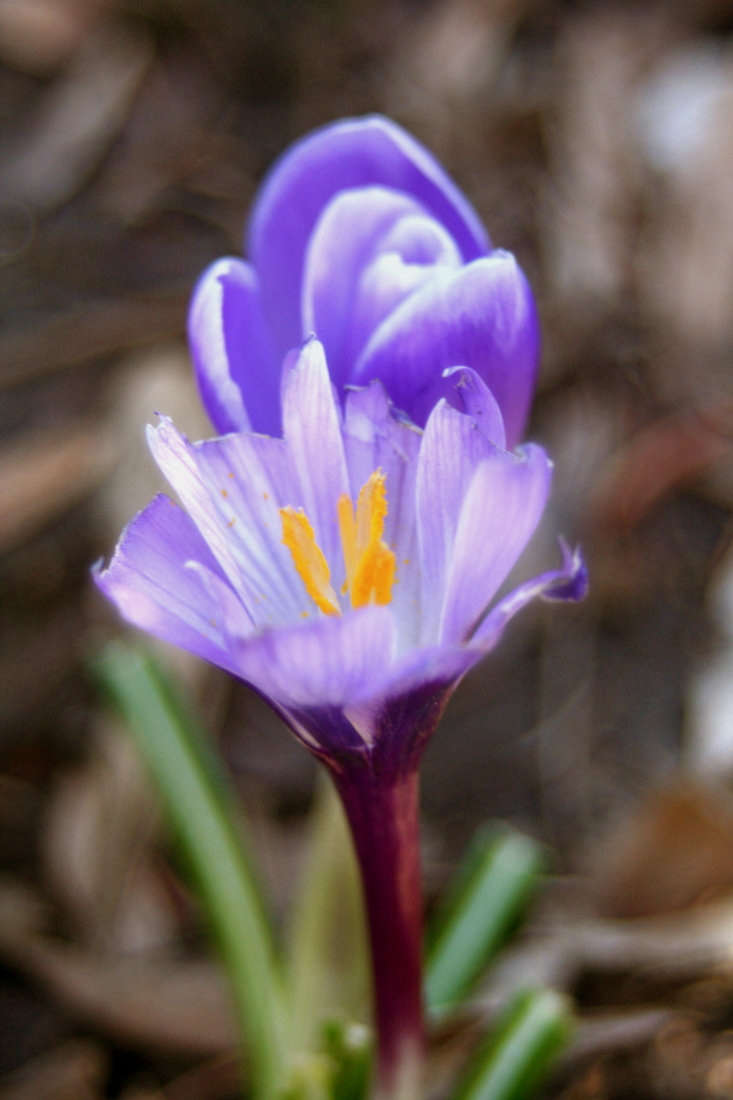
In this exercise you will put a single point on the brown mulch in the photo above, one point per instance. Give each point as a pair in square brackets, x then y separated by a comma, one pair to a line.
[595, 140]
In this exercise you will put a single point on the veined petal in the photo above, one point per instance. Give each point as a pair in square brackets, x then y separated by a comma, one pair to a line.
[322, 662]
[232, 488]
[351, 153]
[452, 447]
[150, 581]
[311, 423]
[499, 514]
[482, 316]
[235, 366]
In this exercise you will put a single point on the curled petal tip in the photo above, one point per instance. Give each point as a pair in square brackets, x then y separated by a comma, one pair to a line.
[572, 583]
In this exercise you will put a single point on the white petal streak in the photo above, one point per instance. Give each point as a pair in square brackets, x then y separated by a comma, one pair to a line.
[452, 447]
[312, 427]
[150, 583]
[231, 487]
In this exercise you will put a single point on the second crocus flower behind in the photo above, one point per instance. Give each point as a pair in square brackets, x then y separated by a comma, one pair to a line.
[359, 236]
[346, 572]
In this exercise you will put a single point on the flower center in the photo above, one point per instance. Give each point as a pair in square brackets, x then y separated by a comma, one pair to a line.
[370, 564]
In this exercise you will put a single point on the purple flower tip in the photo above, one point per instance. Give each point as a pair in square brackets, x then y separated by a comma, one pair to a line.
[359, 236]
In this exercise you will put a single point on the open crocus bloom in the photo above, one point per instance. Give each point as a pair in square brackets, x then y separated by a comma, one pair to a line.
[344, 570]
[359, 236]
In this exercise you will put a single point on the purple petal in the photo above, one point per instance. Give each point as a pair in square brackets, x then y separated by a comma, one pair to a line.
[470, 395]
[406, 258]
[452, 446]
[567, 583]
[483, 317]
[343, 240]
[150, 581]
[311, 423]
[323, 662]
[235, 365]
[351, 153]
[232, 489]
[375, 439]
[370, 249]
[442, 666]
[500, 512]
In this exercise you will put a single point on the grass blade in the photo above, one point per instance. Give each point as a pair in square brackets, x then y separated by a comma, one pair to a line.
[200, 809]
[491, 889]
[518, 1055]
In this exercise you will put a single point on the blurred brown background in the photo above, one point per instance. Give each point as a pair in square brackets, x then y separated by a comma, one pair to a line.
[595, 140]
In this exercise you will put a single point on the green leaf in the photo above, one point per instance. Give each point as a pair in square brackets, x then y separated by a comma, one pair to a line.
[518, 1055]
[491, 890]
[201, 810]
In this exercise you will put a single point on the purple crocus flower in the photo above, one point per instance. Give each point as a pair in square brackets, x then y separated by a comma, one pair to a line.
[359, 236]
[346, 571]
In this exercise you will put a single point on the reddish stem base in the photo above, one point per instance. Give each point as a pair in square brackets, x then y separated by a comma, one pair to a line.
[383, 815]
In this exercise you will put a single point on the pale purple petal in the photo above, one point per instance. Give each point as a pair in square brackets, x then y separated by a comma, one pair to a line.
[406, 258]
[570, 582]
[374, 439]
[500, 511]
[470, 395]
[483, 317]
[322, 662]
[440, 668]
[440, 665]
[351, 153]
[452, 446]
[236, 369]
[370, 248]
[344, 239]
[150, 581]
[231, 487]
[312, 427]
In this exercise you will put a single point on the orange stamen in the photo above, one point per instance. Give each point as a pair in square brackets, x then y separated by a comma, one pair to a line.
[372, 573]
[369, 562]
[309, 560]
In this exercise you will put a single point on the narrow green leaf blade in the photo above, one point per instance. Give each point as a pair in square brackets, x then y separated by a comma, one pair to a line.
[518, 1055]
[491, 890]
[199, 807]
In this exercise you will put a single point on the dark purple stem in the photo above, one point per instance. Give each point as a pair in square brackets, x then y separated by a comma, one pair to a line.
[382, 811]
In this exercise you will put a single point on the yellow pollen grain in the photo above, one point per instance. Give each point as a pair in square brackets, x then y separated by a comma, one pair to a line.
[224, 493]
[309, 560]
